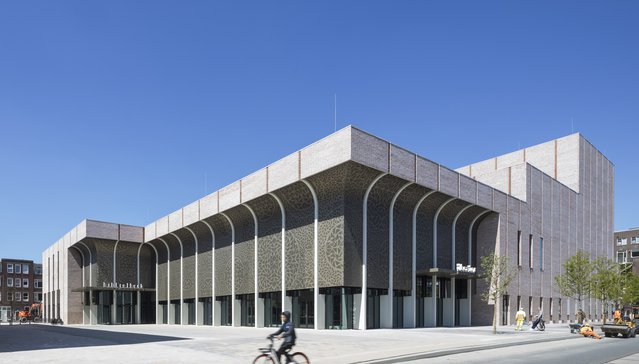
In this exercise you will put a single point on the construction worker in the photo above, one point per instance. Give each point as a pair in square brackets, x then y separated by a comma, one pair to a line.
[587, 331]
[617, 317]
[520, 316]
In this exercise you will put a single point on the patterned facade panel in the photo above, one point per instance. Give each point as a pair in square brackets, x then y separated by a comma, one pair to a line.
[403, 236]
[175, 279]
[126, 262]
[223, 254]
[147, 266]
[162, 269]
[103, 253]
[269, 244]
[425, 215]
[244, 250]
[378, 230]
[223, 257]
[445, 233]
[329, 187]
[188, 262]
[204, 262]
[298, 203]
[359, 178]
[461, 234]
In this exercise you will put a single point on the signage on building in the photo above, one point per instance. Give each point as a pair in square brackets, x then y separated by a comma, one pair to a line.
[460, 268]
[121, 285]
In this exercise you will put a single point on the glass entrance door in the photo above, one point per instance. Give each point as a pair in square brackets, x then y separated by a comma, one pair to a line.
[303, 309]
[272, 308]
[125, 307]
[443, 291]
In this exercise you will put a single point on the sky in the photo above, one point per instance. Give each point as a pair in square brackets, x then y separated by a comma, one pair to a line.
[125, 111]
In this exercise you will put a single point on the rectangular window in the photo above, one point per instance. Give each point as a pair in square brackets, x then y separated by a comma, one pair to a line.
[9, 268]
[18, 269]
[37, 297]
[519, 249]
[618, 241]
[25, 296]
[9, 296]
[635, 254]
[25, 282]
[624, 241]
[635, 240]
[1, 279]
[17, 296]
[541, 254]
[1, 270]
[37, 269]
[18, 282]
[9, 282]
[25, 269]
[621, 257]
[37, 283]
[530, 251]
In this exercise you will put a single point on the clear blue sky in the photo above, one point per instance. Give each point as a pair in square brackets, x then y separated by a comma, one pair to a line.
[125, 111]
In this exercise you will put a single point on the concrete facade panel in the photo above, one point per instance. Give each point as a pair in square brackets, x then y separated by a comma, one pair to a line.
[448, 181]
[427, 173]
[209, 206]
[101, 230]
[467, 189]
[254, 185]
[191, 213]
[370, 150]
[162, 226]
[402, 163]
[510, 159]
[175, 220]
[230, 196]
[326, 153]
[284, 172]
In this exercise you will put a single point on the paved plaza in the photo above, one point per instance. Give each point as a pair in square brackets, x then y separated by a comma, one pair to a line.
[190, 344]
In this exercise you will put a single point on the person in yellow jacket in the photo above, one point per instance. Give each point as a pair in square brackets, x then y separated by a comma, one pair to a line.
[617, 317]
[587, 331]
[520, 316]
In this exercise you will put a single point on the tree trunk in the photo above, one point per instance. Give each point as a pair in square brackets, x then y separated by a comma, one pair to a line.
[495, 317]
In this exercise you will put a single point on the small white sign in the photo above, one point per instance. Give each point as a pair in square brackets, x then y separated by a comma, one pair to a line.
[121, 285]
[460, 268]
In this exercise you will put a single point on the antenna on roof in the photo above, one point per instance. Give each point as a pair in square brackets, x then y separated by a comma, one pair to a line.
[335, 113]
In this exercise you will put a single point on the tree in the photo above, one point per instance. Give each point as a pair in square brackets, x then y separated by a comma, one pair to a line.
[576, 280]
[610, 282]
[498, 274]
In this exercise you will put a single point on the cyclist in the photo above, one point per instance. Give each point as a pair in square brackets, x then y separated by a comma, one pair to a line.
[287, 332]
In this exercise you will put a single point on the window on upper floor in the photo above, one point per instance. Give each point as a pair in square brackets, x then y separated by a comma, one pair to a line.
[25, 269]
[37, 283]
[9, 282]
[519, 248]
[9, 268]
[18, 268]
[25, 282]
[622, 241]
[634, 240]
[25, 296]
[635, 254]
[541, 254]
[37, 269]
[17, 282]
[530, 251]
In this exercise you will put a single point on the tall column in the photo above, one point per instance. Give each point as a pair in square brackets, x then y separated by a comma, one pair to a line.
[169, 314]
[198, 307]
[182, 305]
[258, 313]
[283, 213]
[233, 302]
[318, 307]
[212, 271]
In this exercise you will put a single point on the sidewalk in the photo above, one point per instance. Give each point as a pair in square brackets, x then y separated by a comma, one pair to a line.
[188, 344]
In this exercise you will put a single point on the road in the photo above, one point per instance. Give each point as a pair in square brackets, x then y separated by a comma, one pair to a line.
[586, 351]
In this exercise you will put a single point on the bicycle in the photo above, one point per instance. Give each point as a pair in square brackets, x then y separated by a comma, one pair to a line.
[269, 355]
[539, 324]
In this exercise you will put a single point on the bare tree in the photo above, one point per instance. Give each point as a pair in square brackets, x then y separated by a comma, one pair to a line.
[498, 274]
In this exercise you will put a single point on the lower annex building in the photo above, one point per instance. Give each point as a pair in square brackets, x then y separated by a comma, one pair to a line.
[351, 232]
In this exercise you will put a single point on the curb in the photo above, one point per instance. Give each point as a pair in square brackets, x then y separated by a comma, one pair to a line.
[465, 349]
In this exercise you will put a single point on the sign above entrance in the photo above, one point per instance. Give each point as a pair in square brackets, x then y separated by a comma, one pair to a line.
[460, 268]
[121, 285]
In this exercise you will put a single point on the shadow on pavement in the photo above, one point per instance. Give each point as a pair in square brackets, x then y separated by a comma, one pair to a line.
[39, 337]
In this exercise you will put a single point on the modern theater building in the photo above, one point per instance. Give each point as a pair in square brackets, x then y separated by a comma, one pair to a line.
[351, 232]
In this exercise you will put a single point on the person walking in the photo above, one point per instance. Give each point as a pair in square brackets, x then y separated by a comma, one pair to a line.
[520, 316]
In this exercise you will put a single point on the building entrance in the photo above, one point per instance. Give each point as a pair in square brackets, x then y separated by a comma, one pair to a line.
[303, 308]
